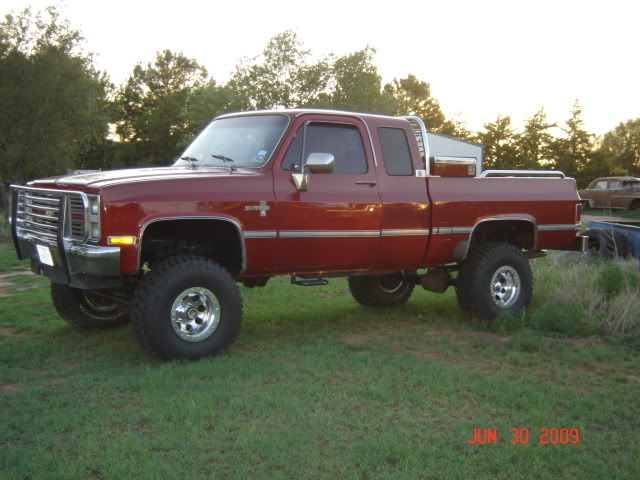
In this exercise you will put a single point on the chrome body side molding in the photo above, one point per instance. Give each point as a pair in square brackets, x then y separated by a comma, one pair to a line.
[522, 173]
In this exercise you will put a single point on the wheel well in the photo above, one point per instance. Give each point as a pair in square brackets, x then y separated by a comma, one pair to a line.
[218, 240]
[520, 233]
[635, 203]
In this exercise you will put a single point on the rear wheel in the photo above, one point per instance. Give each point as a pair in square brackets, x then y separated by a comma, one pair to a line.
[495, 277]
[381, 290]
[87, 308]
[186, 307]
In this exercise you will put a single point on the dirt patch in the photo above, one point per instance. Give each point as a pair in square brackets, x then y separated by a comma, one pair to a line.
[9, 331]
[13, 273]
[431, 355]
[424, 350]
[3, 288]
[360, 338]
[632, 377]
[488, 337]
[5, 283]
[7, 388]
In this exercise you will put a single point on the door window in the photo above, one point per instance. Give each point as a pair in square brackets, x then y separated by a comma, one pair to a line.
[343, 141]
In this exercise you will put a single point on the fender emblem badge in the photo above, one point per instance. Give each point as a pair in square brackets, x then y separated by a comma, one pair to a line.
[263, 208]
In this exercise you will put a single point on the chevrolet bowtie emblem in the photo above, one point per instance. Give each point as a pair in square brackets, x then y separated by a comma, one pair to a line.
[263, 208]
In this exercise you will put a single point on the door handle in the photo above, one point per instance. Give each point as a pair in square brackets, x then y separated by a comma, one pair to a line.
[371, 183]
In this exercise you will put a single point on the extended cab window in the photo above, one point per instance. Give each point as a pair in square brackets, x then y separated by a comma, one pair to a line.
[395, 148]
[631, 185]
[343, 141]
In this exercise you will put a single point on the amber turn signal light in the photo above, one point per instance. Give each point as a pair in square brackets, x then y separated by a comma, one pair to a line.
[122, 240]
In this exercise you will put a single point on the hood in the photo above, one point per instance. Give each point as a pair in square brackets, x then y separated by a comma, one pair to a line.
[97, 180]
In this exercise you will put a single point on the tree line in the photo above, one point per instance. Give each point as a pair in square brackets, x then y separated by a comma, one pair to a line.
[59, 112]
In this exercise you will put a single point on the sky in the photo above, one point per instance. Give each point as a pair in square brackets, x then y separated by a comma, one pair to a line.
[482, 58]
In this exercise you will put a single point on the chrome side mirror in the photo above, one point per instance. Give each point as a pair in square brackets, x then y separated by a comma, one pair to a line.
[320, 163]
[316, 163]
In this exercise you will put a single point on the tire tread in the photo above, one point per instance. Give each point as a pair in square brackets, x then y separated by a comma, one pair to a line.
[469, 291]
[161, 276]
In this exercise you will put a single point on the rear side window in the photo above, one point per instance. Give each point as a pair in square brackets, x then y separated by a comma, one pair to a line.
[344, 142]
[395, 148]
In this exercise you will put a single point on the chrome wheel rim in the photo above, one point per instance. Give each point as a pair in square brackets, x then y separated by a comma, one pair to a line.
[195, 314]
[390, 283]
[505, 287]
[99, 304]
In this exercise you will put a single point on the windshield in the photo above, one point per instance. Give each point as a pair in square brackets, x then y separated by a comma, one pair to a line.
[245, 141]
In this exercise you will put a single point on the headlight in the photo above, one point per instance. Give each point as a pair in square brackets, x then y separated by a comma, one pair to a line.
[94, 217]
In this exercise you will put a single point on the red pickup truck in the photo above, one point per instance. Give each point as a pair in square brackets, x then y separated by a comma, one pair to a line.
[309, 193]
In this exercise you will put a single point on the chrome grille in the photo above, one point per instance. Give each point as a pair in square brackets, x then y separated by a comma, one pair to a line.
[39, 211]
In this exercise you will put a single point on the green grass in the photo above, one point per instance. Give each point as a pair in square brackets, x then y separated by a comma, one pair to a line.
[314, 387]
[629, 214]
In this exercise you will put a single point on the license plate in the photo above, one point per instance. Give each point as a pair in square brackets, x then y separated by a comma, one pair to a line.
[44, 254]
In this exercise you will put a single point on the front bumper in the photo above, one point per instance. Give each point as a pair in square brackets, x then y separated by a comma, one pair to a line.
[79, 266]
[75, 263]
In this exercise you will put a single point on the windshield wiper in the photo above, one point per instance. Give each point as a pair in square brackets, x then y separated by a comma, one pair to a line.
[226, 160]
[193, 161]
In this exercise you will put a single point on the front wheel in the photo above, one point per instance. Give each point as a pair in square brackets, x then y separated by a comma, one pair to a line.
[381, 290]
[495, 277]
[87, 308]
[186, 307]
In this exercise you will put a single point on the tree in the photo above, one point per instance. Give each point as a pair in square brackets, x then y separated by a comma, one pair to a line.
[154, 105]
[534, 144]
[572, 153]
[282, 77]
[53, 100]
[622, 146]
[499, 140]
[212, 100]
[414, 98]
[356, 84]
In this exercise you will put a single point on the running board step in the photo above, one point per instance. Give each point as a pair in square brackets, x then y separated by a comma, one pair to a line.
[314, 282]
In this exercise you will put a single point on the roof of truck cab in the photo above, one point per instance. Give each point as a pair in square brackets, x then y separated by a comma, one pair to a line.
[295, 112]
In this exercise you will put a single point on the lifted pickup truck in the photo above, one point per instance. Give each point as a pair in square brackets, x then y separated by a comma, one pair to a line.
[309, 193]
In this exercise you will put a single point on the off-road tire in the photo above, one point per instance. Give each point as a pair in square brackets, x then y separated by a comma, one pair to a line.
[607, 244]
[475, 282]
[153, 302]
[79, 308]
[381, 290]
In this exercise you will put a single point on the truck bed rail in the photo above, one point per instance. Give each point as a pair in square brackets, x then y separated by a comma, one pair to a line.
[522, 173]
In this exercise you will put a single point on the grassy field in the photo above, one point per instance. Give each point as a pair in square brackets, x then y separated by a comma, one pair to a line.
[629, 214]
[314, 387]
